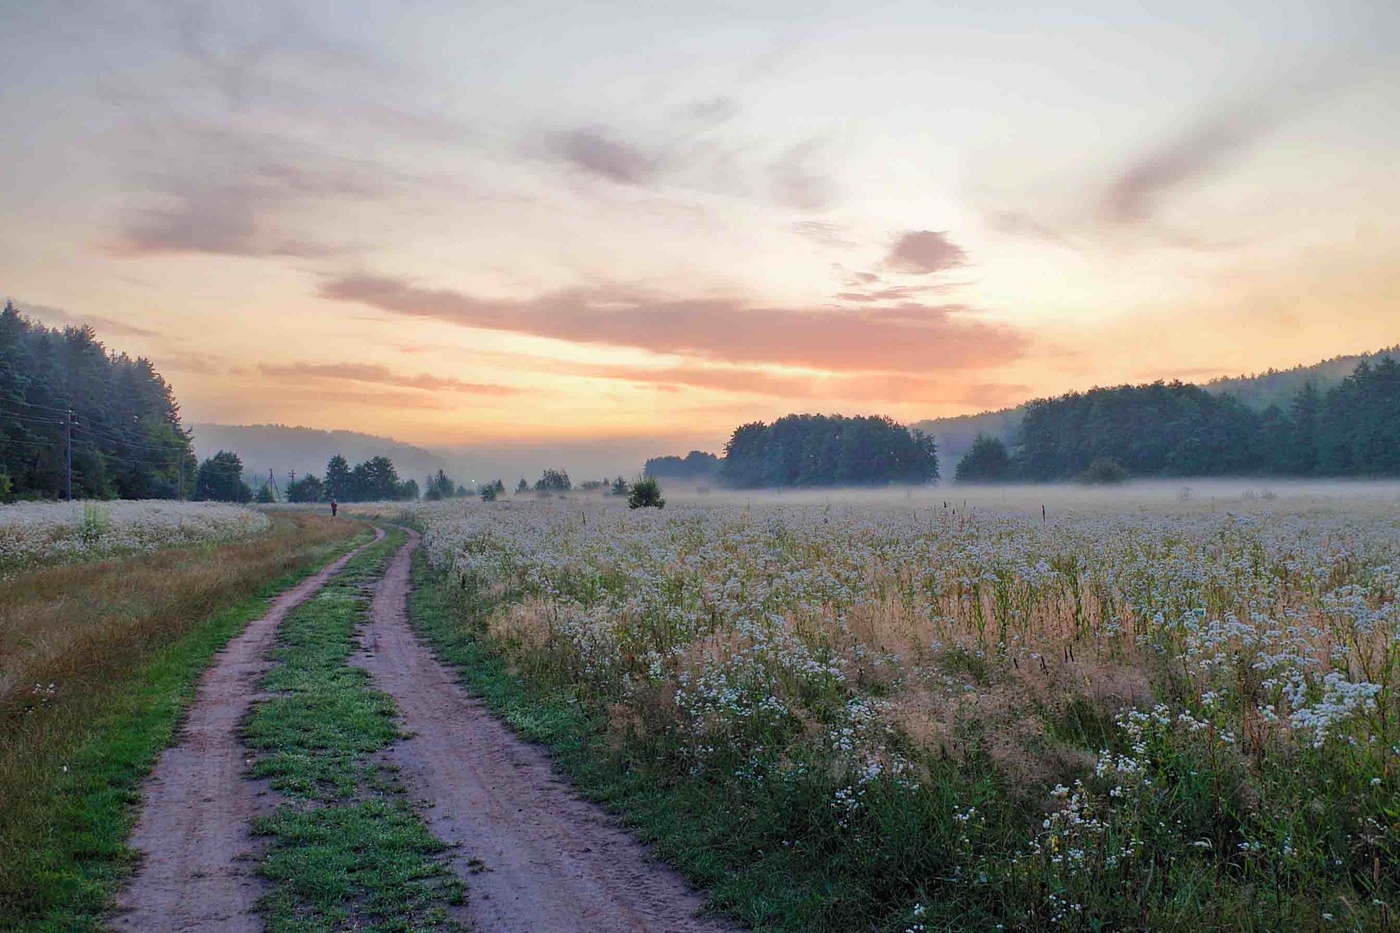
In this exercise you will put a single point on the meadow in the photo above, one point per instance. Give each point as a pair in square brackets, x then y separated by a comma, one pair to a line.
[1154, 708]
[41, 534]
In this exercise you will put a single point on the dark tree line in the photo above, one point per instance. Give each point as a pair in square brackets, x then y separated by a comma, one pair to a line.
[374, 480]
[696, 466]
[127, 438]
[827, 450]
[1172, 429]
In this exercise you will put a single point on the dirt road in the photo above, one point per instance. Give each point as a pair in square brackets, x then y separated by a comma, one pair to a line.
[551, 861]
[194, 828]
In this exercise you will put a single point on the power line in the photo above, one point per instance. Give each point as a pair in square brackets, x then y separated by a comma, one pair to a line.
[116, 433]
[17, 401]
[9, 416]
[105, 435]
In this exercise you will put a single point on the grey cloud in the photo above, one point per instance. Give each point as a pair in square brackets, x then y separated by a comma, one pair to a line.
[1202, 149]
[921, 252]
[592, 150]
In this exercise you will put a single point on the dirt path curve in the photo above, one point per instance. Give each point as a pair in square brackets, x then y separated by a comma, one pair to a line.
[195, 824]
[552, 862]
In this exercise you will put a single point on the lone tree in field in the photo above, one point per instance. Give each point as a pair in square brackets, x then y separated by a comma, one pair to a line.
[987, 462]
[220, 478]
[522, 486]
[646, 494]
[553, 481]
[619, 487]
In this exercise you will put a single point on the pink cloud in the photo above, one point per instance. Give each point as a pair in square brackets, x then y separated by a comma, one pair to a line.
[903, 338]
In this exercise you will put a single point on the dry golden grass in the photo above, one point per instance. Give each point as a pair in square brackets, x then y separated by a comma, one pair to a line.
[80, 627]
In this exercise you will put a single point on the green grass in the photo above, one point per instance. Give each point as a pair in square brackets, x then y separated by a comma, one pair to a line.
[66, 837]
[347, 849]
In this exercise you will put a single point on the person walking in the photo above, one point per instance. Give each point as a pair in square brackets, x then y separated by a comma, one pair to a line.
[335, 507]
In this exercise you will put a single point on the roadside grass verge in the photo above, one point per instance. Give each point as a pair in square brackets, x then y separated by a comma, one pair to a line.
[115, 649]
[347, 848]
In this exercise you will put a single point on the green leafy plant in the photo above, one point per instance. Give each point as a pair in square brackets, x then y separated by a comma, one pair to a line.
[646, 494]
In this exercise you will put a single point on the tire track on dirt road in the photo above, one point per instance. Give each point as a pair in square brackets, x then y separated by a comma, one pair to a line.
[196, 819]
[551, 861]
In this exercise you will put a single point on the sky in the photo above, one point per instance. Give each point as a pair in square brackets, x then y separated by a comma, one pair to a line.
[542, 222]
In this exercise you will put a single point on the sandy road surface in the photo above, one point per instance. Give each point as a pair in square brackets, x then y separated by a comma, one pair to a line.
[199, 807]
[553, 862]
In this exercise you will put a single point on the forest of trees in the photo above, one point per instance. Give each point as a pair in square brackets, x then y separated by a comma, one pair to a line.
[696, 467]
[127, 440]
[827, 450]
[1171, 429]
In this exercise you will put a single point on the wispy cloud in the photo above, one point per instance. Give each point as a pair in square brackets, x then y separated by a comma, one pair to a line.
[906, 338]
[797, 183]
[799, 388]
[595, 151]
[1200, 150]
[921, 252]
[61, 317]
[1019, 224]
[379, 375]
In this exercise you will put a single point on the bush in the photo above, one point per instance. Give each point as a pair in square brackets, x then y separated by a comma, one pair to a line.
[646, 494]
[488, 492]
[1104, 471]
[986, 462]
[265, 496]
[5, 486]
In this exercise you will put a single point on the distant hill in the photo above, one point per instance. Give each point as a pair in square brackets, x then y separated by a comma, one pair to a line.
[1259, 391]
[306, 450]
[1278, 386]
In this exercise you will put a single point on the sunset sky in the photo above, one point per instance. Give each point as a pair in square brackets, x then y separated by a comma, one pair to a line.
[509, 222]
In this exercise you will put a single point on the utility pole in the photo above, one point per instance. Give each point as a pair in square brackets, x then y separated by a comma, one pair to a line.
[68, 436]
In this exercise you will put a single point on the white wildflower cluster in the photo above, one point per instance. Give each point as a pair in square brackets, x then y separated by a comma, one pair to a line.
[757, 621]
[42, 533]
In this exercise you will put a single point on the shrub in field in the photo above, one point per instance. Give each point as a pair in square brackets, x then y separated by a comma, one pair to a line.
[1103, 471]
[901, 716]
[645, 494]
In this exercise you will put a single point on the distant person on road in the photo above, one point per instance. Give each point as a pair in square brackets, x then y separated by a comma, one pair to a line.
[335, 507]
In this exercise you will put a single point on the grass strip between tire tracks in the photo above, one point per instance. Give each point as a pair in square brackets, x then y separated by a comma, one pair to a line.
[347, 848]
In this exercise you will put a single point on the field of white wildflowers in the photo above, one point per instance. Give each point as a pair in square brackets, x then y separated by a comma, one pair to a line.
[34, 534]
[1104, 718]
